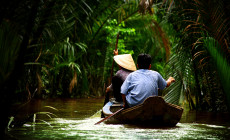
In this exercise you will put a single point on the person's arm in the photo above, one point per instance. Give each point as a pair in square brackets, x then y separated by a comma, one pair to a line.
[107, 91]
[124, 99]
[109, 88]
[170, 81]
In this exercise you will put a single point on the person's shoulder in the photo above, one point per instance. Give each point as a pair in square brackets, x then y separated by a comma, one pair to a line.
[136, 72]
[153, 71]
[133, 73]
[119, 72]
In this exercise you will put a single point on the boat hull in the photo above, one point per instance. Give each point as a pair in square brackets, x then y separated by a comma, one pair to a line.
[153, 112]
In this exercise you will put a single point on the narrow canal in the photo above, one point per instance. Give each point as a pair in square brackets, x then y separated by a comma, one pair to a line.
[75, 118]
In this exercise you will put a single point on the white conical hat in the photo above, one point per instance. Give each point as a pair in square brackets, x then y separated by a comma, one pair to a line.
[125, 61]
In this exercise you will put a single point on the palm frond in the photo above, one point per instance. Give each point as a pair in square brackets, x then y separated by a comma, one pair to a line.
[179, 67]
[221, 63]
[9, 47]
[198, 20]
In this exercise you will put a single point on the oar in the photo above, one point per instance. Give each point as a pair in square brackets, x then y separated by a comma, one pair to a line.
[109, 116]
[111, 74]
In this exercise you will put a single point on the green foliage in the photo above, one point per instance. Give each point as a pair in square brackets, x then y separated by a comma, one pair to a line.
[112, 29]
[193, 60]
[64, 55]
[9, 46]
[180, 67]
[65, 48]
[221, 64]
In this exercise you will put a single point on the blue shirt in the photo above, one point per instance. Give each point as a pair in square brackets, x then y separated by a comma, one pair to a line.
[140, 85]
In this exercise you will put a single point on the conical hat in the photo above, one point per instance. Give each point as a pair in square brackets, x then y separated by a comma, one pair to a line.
[125, 61]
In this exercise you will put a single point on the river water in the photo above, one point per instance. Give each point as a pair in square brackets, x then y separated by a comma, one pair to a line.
[75, 118]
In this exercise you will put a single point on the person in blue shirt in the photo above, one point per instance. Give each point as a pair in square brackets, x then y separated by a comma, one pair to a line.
[142, 83]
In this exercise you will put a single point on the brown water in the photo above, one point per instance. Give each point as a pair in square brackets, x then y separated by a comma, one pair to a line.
[75, 119]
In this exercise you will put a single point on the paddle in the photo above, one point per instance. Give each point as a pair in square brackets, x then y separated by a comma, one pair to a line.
[111, 74]
[109, 116]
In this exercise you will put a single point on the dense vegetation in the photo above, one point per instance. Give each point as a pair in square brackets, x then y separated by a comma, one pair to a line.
[60, 48]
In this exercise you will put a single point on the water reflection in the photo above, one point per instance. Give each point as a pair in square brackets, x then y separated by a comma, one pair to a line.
[79, 117]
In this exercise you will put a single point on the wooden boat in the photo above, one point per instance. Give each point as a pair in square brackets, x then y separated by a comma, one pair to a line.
[154, 111]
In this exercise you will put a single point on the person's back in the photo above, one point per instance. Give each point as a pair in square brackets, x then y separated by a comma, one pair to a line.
[142, 83]
[117, 81]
